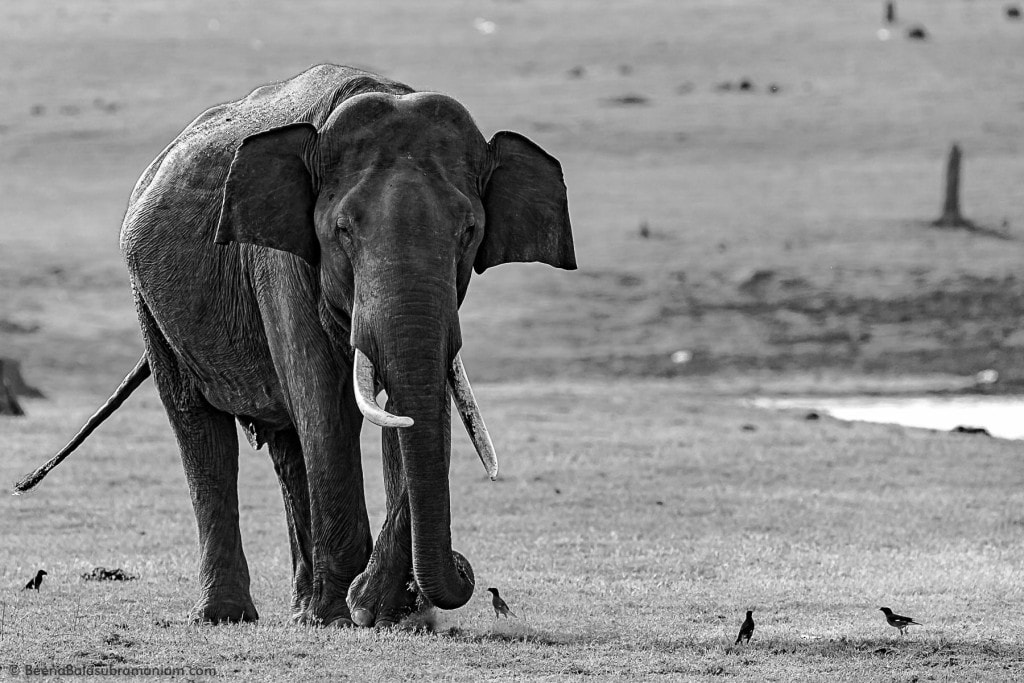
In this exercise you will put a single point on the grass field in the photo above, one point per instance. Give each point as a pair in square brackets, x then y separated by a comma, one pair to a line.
[787, 243]
[630, 530]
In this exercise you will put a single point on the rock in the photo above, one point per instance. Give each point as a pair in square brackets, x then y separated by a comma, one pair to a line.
[754, 283]
[962, 429]
[681, 357]
[987, 377]
[627, 100]
[917, 33]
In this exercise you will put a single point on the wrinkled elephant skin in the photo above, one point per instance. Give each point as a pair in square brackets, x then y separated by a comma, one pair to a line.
[276, 235]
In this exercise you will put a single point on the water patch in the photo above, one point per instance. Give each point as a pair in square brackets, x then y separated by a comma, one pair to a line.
[1002, 416]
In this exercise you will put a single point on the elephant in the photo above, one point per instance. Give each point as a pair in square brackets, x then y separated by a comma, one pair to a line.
[294, 253]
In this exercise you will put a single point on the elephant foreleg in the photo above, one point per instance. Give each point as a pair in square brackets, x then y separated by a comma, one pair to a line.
[385, 592]
[338, 522]
[316, 383]
[286, 452]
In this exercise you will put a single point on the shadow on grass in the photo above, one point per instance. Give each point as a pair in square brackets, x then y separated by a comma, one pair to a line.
[931, 650]
[428, 621]
[508, 631]
[968, 227]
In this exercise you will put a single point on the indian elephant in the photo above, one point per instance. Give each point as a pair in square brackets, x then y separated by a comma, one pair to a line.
[294, 252]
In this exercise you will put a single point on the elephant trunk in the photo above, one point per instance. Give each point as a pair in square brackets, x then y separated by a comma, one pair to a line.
[412, 340]
[443, 576]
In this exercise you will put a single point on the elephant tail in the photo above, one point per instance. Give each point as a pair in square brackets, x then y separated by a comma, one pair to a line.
[130, 383]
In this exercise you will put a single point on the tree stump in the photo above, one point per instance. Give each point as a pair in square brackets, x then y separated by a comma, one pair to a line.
[10, 369]
[951, 216]
[8, 399]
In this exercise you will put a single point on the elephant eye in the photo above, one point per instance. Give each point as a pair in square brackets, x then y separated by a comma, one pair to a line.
[467, 232]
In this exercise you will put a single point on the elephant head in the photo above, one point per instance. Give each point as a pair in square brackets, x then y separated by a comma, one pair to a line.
[395, 200]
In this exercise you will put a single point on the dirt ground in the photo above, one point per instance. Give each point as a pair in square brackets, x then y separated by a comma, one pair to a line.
[786, 226]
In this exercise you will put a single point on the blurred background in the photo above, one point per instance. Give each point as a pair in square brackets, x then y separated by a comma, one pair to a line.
[751, 183]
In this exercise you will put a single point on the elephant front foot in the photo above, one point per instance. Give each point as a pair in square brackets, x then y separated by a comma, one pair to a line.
[326, 607]
[382, 599]
[212, 611]
[302, 594]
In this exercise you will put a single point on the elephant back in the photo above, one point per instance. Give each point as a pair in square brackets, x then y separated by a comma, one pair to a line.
[199, 157]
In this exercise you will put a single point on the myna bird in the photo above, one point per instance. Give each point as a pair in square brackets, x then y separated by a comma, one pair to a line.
[897, 621]
[500, 608]
[33, 584]
[747, 629]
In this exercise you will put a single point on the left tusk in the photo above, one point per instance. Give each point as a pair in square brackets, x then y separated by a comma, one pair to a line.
[465, 401]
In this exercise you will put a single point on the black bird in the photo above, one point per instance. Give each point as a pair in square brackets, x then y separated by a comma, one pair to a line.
[747, 629]
[897, 621]
[33, 584]
[500, 608]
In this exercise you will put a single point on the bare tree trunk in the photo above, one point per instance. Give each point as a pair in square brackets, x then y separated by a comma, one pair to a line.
[11, 371]
[951, 216]
[8, 400]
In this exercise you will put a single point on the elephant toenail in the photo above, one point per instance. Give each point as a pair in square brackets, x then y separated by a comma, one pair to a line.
[362, 616]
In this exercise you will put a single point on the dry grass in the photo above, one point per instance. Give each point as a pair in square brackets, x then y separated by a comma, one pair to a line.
[632, 525]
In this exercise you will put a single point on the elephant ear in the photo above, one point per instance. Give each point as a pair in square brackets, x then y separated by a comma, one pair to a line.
[269, 196]
[527, 210]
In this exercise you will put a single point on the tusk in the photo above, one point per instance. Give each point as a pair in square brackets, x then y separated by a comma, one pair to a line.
[363, 383]
[470, 412]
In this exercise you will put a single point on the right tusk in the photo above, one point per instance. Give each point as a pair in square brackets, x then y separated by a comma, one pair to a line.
[471, 417]
[363, 382]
